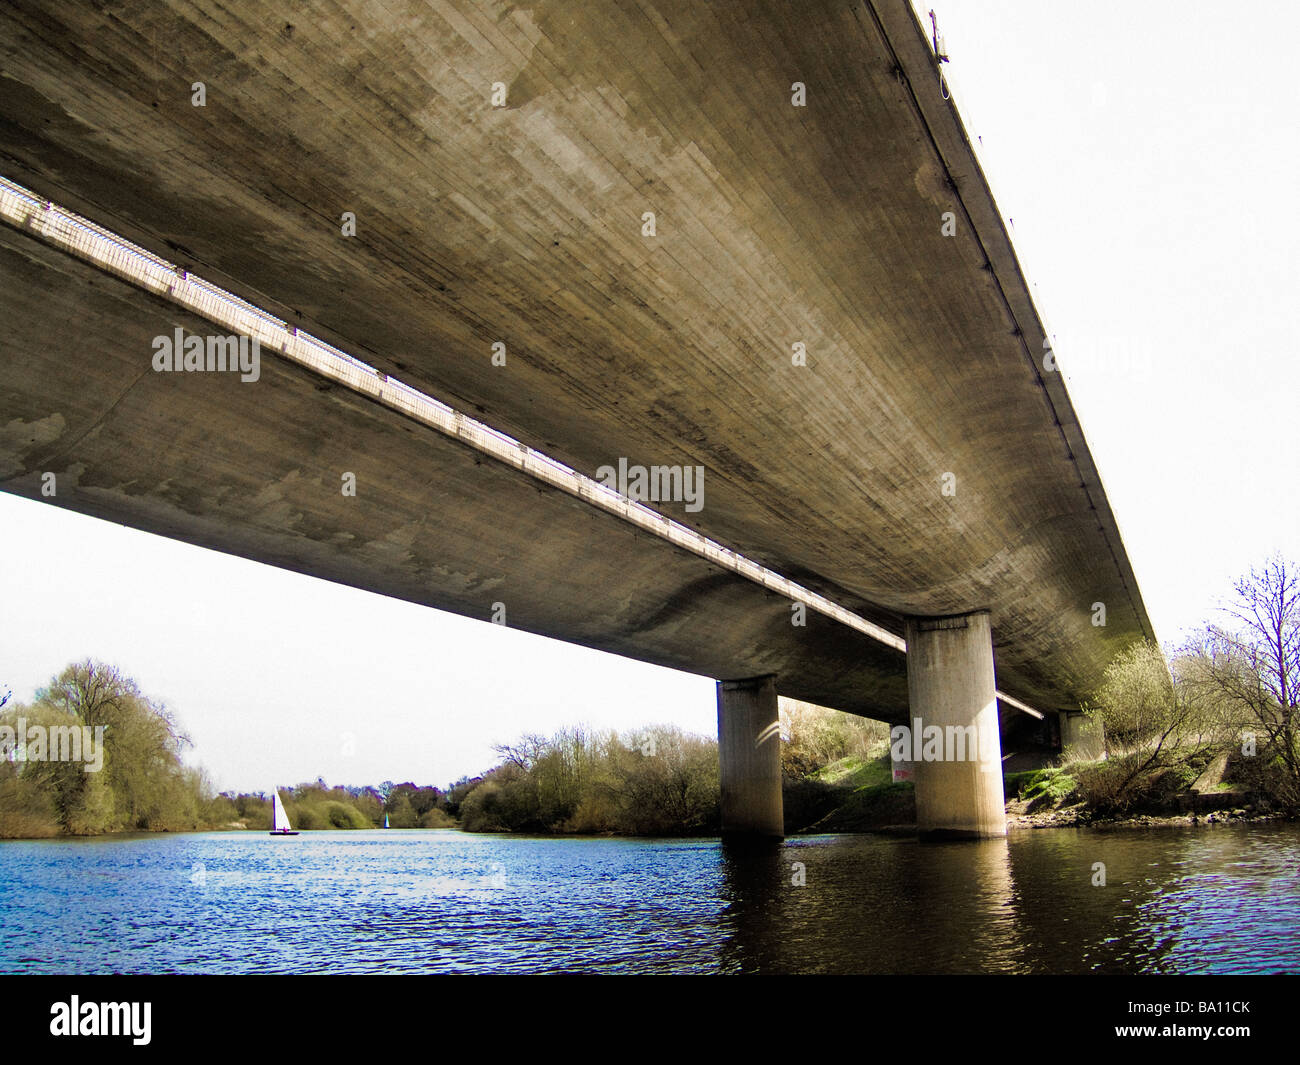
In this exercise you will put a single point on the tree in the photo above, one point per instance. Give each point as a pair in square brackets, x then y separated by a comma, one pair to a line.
[1158, 727]
[1251, 664]
[142, 741]
[525, 753]
[659, 780]
[144, 784]
[95, 811]
[402, 813]
[672, 791]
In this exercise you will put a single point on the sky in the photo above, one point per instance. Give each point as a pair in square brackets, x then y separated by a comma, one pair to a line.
[1146, 155]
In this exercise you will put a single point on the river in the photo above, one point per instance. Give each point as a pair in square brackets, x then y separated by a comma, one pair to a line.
[1221, 899]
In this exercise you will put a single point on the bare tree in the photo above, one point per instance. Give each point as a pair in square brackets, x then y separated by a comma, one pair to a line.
[524, 754]
[1252, 663]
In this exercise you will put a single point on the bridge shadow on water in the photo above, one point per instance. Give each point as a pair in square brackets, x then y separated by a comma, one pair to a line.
[1034, 903]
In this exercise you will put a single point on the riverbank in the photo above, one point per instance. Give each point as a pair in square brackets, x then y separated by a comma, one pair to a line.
[860, 796]
[1078, 815]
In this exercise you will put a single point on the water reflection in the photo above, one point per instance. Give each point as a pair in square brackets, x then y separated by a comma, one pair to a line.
[872, 904]
[1062, 901]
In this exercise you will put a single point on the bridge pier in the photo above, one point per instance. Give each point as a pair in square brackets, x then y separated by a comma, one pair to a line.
[749, 752]
[957, 748]
[1082, 736]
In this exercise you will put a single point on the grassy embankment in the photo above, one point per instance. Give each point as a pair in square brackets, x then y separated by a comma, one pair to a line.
[859, 795]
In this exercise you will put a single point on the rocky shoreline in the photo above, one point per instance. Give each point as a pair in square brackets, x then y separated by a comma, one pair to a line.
[1077, 815]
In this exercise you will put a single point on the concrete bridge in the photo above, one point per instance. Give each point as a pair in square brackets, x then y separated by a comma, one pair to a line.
[489, 249]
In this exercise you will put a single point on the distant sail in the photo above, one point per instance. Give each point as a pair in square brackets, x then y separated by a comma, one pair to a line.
[279, 819]
[385, 820]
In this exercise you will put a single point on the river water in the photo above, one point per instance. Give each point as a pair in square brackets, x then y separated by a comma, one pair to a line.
[1217, 899]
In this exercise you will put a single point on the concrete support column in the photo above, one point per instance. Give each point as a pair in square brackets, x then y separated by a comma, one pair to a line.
[1082, 737]
[900, 762]
[749, 750]
[956, 744]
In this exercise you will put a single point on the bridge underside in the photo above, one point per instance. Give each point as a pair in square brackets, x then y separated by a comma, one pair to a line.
[924, 462]
[775, 224]
[256, 470]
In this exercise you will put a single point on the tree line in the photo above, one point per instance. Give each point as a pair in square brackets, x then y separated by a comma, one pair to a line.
[127, 771]
[317, 806]
[659, 780]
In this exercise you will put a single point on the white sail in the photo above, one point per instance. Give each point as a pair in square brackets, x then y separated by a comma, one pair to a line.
[279, 819]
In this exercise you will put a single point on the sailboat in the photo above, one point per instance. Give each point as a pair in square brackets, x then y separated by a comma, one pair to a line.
[279, 819]
[385, 820]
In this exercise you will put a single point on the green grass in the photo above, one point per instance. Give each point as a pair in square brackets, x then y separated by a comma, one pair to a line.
[856, 773]
[1057, 785]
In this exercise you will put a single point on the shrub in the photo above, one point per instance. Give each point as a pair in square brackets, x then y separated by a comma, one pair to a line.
[436, 818]
[595, 814]
[26, 811]
[341, 815]
[480, 809]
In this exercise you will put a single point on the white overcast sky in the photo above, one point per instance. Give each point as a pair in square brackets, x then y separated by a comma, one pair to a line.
[1147, 154]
